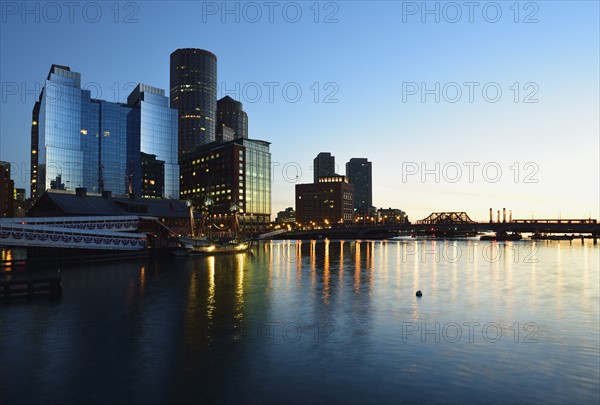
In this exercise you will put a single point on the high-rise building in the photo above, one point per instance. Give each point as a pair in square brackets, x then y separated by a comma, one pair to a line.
[35, 169]
[224, 133]
[230, 176]
[230, 113]
[359, 172]
[78, 141]
[20, 194]
[326, 203]
[257, 185]
[7, 191]
[158, 134]
[194, 94]
[323, 166]
[287, 215]
[153, 176]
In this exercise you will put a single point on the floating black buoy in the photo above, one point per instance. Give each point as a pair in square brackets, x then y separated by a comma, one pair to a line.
[419, 293]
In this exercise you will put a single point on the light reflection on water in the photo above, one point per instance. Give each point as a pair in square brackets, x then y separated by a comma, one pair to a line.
[317, 321]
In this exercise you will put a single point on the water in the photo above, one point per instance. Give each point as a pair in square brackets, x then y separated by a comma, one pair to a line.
[316, 322]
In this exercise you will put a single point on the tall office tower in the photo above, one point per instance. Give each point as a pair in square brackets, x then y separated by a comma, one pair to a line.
[157, 136]
[35, 170]
[231, 113]
[358, 171]
[323, 166]
[78, 141]
[7, 191]
[194, 95]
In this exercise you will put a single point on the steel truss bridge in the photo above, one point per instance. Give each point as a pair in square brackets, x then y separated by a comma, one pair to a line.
[447, 218]
[98, 233]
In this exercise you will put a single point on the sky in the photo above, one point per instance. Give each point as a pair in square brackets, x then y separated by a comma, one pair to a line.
[460, 106]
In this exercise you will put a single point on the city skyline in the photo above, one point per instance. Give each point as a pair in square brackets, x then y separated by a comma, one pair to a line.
[533, 150]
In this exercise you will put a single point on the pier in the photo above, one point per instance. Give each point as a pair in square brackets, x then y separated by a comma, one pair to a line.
[31, 287]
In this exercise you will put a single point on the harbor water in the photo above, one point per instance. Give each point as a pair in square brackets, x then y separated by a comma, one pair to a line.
[316, 322]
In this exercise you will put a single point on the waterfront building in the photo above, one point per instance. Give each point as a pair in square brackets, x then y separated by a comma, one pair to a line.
[20, 195]
[326, 203]
[323, 166]
[21, 203]
[359, 173]
[285, 216]
[7, 191]
[78, 141]
[223, 178]
[231, 114]
[57, 203]
[391, 216]
[193, 91]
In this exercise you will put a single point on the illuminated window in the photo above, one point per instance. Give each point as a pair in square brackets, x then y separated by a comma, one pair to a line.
[83, 132]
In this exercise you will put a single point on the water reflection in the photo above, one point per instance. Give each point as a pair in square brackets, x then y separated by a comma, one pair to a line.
[210, 301]
[326, 273]
[267, 323]
[357, 268]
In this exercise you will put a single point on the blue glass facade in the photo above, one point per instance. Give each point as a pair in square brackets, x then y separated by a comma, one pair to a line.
[158, 134]
[60, 155]
[258, 177]
[96, 144]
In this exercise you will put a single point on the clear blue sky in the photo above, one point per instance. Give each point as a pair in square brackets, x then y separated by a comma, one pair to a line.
[371, 61]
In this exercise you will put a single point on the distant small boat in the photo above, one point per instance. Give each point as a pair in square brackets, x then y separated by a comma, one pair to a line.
[499, 236]
[542, 236]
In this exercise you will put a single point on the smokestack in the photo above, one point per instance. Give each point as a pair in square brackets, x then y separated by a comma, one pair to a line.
[491, 216]
[504, 215]
[498, 217]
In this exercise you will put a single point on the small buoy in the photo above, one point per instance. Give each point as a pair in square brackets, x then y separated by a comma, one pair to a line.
[419, 293]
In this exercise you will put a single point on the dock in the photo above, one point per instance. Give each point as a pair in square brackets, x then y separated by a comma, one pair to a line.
[31, 287]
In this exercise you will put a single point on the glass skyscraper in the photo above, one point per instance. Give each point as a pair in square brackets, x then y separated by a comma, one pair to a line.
[158, 132]
[78, 141]
[257, 181]
[194, 94]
